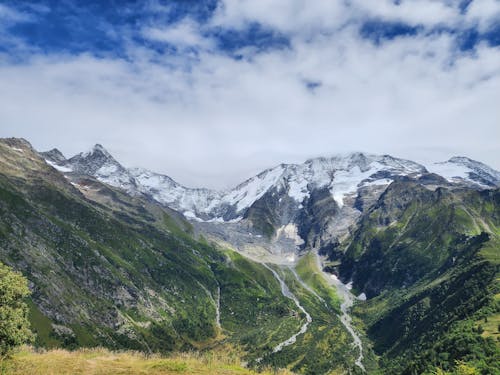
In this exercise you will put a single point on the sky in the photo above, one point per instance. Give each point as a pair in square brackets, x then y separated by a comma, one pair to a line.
[211, 92]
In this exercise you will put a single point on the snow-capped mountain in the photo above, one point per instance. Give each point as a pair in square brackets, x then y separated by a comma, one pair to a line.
[345, 177]
[54, 156]
[98, 163]
[460, 169]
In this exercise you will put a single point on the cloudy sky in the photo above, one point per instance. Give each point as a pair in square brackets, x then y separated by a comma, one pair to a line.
[212, 91]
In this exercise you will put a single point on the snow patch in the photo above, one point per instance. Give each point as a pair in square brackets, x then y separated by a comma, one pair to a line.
[107, 169]
[244, 195]
[451, 171]
[60, 168]
[346, 182]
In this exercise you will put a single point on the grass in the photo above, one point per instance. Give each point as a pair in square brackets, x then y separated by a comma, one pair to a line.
[490, 326]
[102, 361]
[308, 271]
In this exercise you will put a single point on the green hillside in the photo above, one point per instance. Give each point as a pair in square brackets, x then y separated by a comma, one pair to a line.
[430, 260]
[110, 270]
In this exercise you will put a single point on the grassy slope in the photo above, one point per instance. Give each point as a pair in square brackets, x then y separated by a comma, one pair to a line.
[308, 271]
[103, 362]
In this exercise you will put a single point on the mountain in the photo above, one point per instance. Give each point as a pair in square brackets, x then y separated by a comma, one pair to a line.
[121, 271]
[302, 205]
[460, 169]
[111, 261]
[341, 174]
[429, 262]
[54, 156]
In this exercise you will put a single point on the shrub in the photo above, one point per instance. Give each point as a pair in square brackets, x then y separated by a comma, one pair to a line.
[14, 324]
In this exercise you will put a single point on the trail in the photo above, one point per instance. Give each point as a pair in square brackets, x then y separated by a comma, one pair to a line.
[345, 307]
[288, 294]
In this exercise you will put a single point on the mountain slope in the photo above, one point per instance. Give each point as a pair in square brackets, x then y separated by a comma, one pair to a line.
[429, 263]
[122, 278]
[424, 248]
[122, 271]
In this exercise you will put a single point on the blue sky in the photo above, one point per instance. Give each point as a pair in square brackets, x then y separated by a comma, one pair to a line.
[210, 92]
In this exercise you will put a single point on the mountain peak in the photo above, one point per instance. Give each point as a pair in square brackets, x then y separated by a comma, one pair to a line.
[54, 155]
[17, 143]
[459, 159]
[464, 169]
[96, 161]
[97, 149]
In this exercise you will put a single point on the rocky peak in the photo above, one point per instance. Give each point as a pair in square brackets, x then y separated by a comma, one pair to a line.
[54, 155]
[98, 149]
[96, 161]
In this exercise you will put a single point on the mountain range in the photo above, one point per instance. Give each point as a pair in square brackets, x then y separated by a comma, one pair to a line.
[348, 264]
[343, 175]
[311, 204]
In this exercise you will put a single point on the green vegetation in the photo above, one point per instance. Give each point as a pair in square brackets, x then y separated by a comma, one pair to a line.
[109, 270]
[14, 324]
[430, 260]
[326, 346]
[105, 362]
[114, 271]
[308, 271]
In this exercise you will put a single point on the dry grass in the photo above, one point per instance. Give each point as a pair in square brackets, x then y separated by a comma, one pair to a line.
[101, 362]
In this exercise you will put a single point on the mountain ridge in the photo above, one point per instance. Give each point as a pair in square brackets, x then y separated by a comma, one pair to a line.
[230, 204]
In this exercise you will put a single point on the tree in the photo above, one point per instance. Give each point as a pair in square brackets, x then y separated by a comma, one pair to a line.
[14, 324]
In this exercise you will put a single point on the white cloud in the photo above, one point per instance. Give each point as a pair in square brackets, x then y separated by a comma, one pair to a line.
[213, 120]
[412, 12]
[185, 33]
[283, 15]
[11, 15]
[302, 16]
[484, 13]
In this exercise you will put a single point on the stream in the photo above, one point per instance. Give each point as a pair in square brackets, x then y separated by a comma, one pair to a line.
[217, 309]
[288, 294]
[344, 292]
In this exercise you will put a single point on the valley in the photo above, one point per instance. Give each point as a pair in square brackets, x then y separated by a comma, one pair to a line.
[358, 263]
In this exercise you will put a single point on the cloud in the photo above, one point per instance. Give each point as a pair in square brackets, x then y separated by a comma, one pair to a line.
[216, 118]
[484, 13]
[185, 33]
[304, 17]
[289, 16]
[9, 15]
[428, 13]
